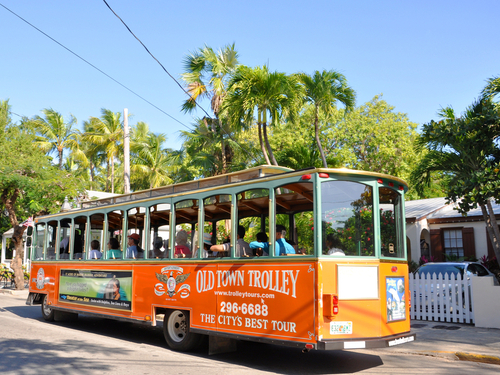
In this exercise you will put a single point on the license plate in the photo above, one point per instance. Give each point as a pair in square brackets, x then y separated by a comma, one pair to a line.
[341, 328]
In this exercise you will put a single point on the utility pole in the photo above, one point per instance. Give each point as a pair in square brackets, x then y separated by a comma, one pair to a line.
[126, 151]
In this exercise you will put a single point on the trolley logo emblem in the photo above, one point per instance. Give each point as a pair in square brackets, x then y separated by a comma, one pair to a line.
[40, 278]
[171, 276]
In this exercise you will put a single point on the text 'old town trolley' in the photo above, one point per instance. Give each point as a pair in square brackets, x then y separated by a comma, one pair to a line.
[313, 259]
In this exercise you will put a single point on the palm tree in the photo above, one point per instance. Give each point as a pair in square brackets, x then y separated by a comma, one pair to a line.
[149, 162]
[88, 155]
[206, 76]
[492, 88]
[205, 148]
[269, 93]
[323, 90]
[299, 157]
[53, 134]
[4, 115]
[465, 150]
[107, 132]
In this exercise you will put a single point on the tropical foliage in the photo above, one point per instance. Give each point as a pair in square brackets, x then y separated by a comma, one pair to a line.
[29, 184]
[323, 90]
[465, 149]
[258, 116]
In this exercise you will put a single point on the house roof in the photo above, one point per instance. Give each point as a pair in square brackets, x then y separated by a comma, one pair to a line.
[436, 210]
[421, 208]
[448, 214]
[93, 194]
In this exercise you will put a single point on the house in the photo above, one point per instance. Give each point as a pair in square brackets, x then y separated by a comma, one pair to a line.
[434, 228]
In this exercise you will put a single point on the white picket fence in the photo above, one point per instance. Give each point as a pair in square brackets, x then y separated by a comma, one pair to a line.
[441, 298]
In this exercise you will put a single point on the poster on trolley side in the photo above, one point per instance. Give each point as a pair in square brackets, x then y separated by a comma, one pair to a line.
[100, 288]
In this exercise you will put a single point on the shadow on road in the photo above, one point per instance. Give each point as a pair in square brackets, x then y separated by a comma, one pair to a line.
[258, 356]
[42, 357]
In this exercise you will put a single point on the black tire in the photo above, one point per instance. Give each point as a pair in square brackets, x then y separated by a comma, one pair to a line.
[176, 331]
[47, 311]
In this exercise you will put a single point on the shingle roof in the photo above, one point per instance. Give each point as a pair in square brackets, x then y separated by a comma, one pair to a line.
[449, 212]
[420, 208]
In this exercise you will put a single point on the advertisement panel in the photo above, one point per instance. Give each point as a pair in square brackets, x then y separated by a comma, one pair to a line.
[395, 298]
[100, 288]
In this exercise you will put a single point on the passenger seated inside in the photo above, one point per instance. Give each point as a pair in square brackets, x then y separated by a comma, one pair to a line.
[78, 246]
[333, 244]
[64, 248]
[95, 253]
[207, 244]
[181, 249]
[157, 252]
[281, 246]
[114, 251]
[242, 247]
[133, 249]
[261, 246]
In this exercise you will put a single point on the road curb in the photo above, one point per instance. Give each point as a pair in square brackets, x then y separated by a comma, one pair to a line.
[459, 356]
[472, 357]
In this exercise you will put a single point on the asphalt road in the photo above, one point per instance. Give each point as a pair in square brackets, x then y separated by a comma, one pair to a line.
[29, 345]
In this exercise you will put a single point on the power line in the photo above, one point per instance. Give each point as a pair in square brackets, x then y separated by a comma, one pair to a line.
[147, 50]
[166, 71]
[107, 75]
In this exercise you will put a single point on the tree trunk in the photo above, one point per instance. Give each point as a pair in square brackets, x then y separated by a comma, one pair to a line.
[271, 155]
[223, 148]
[316, 135]
[492, 228]
[262, 147]
[17, 263]
[61, 160]
[108, 167]
[112, 175]
[266, 139]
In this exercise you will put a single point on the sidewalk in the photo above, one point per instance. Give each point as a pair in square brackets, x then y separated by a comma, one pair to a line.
[454, 341]
[10, 290]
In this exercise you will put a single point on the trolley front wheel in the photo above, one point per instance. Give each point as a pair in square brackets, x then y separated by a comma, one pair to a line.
[47, 311]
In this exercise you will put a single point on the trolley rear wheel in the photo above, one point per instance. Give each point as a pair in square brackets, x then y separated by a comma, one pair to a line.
[176, 331]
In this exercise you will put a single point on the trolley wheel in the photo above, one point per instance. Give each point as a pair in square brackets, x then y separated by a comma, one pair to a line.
[176, 331]
[47, 311]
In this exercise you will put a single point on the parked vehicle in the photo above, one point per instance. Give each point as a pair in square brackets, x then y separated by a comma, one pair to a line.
[456, 268]
[453, 295]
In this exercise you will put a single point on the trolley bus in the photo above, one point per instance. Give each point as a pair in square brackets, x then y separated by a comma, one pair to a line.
[331, 274]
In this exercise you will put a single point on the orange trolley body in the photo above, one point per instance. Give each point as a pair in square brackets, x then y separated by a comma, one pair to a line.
[312, 300]
[294, 303]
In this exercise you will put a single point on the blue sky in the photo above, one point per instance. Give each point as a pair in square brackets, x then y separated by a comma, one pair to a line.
[420, 55]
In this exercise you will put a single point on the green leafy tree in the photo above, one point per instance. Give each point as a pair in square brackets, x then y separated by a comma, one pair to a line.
[206, 74]
[374, 138]
[272, 94]
[204, 147]
[323, 90]
[29, 184]
[182, 167]
[466, 150]
[54, 134]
